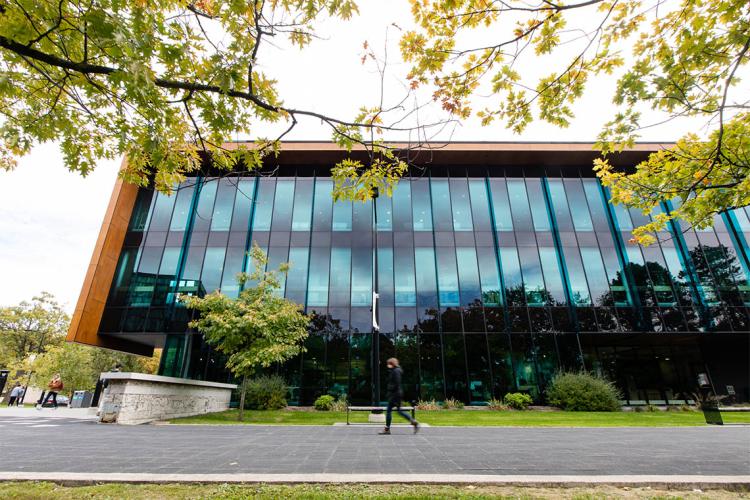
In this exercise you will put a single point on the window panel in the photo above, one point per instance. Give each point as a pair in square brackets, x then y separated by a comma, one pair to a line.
[401, 202]
[425, 273]
[283, 205]
[384, 208]
[519, 204]
[597, 276]
[501, 204]
[361, 277]
[512, 276]
[578, 285]
[182, 207]
[342, 215]
[205, 207]
[406, 294]
[362, 216]
[162, 212]
[560, 205]
[139, 220]
[243, 203]
[538, 205]
[264, 204]
[552, 276]
[480, 205]
[461, 207]
[276, 257]
[533, 282]
[576, 199]
[322, 206]
[468, 275]
[232, 267]
[490, 277]
[421, 205]
[317, 286]
[296, 280]
[597, 209]
[385, 277]
[441, 205]
[303, 196]
[221, 217]
[447, 277]
[341, 268]
[213, 267]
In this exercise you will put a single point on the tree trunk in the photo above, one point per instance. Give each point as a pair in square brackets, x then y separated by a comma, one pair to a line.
[241, 416]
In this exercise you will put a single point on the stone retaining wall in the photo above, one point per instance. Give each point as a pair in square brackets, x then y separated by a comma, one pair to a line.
[137, 398]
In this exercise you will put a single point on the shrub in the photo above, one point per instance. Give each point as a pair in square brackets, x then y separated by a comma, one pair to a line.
[583, 392]
[496, 404]
[453, 404]
[430, 405]
[340, 404]
[517, 400]
[324, 403]
[266, 393]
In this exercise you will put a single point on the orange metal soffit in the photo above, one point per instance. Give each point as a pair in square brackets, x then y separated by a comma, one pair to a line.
[84, 327]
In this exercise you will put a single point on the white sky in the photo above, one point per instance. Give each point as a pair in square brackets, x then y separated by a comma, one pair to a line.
[50, 218]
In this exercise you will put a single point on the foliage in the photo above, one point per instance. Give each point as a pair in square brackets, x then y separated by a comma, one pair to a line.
[583, 392]
[707, 400]
[496, 404]
[79, 366]
[517, 400]
[453, 404]
[430, 405]
[340, 404]
[256, 329]
[31, 328]
[677, 59]
[324, 402]
[266, 393]
[165, 84]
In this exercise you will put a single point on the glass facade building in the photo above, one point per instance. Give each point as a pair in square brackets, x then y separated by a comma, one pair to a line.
[491, 275]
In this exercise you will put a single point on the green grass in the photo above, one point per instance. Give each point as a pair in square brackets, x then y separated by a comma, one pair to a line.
[34, 490]
[474, 418]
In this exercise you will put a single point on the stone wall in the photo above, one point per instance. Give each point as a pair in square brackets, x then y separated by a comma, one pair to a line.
[137, 398]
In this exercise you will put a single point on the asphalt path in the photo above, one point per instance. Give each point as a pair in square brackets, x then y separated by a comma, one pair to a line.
[74, 446]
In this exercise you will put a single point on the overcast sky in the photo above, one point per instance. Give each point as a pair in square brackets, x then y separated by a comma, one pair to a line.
[50, 218]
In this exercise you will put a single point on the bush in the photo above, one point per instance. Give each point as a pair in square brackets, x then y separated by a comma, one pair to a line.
[266, 393]
[583, 392]
[430, 405]
[340, 404]
[324, 403]
[496, 404]
[517, 400]
[453, 404]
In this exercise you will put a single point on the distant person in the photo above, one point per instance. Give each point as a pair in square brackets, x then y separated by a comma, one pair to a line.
[15, 394]
[55, 386]
[395, 395]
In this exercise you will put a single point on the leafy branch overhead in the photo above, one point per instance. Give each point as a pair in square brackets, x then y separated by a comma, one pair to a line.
[672, 58]
[161, 82]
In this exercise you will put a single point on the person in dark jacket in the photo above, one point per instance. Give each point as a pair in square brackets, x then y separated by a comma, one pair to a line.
[395, 394]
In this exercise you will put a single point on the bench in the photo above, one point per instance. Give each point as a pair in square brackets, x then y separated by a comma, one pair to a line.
[378, 409]
[713, 415]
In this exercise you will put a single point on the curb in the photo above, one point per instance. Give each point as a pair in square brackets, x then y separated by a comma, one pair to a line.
[737, 482]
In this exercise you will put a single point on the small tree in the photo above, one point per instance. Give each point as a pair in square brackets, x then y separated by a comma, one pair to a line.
[256, 329]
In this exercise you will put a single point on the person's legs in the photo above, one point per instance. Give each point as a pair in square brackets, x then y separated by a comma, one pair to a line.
[403, 413]
[54, 399]
[46, 398]
[389, 415]
[11, 400]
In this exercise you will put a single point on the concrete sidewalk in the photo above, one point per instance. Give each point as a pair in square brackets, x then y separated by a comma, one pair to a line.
[61, 412]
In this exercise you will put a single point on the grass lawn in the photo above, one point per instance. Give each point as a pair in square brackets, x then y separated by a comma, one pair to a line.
[474, 417]
[29, 490]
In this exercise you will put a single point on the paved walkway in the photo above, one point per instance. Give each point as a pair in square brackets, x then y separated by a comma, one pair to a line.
[88, 447]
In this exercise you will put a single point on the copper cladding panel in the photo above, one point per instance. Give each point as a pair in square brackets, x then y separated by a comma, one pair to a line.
[84, 326]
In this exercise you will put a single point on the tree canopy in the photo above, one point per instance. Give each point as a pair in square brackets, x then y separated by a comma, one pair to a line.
[256, 329]
[679, 58]
[160, 82]
[31, 328]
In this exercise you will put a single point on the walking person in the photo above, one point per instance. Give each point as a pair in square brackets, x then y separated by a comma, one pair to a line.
[395, 395]
[55, 386]
[15, 394]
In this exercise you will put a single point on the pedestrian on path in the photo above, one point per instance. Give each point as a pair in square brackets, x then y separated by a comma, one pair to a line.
[15, 394]
[55, 385]
[395, 395]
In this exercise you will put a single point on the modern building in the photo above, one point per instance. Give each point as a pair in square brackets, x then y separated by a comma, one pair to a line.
[498, 264]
